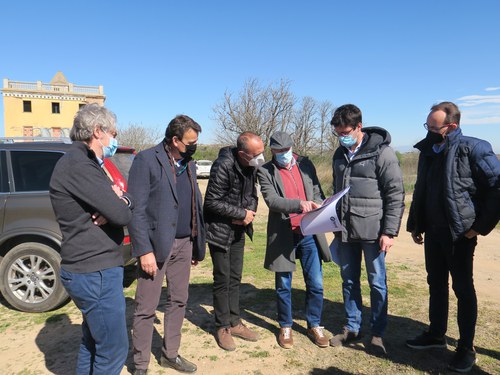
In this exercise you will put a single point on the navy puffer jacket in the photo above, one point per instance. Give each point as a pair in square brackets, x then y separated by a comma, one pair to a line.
[471, 183]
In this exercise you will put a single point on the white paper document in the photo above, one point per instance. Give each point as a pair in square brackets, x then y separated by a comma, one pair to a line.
[323, 219]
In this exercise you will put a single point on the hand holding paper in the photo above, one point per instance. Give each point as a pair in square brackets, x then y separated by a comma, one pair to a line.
[323, 219]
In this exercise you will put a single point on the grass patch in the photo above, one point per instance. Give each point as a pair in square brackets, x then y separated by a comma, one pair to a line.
[258, 354]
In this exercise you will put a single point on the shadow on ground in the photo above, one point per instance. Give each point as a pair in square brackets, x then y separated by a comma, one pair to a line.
[59, 339]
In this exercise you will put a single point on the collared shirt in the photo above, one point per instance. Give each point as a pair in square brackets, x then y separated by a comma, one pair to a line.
[351, 154]
[438, 148]
[100, 161]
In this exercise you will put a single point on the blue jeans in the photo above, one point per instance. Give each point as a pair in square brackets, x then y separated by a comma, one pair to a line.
[350, 270]
[99, 296]
[307, 252]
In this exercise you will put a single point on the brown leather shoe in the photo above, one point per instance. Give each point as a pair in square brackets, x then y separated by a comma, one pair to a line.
[345, 338]
[243, 332]
[317, 335]
[377, 346]
[285, 339]
[224, 339]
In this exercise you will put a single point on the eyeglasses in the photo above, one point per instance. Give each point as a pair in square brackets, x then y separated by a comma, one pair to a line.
[342, 134]
[250, 156]
[189, 144]
[427, 127]
[109, 132]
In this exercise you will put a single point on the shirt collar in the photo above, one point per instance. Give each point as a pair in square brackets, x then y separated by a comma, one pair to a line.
[438, 148]
[350, 153]
[178, 163]
[99, 161]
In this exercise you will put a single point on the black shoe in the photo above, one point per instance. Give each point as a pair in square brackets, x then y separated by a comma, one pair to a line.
[463, 360]
[178, 363]
[139, 371]
[426, 341]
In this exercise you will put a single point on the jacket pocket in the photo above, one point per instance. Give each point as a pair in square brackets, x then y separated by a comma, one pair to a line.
[365, 223]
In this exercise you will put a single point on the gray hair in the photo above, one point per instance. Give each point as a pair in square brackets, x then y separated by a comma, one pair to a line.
[88, 118]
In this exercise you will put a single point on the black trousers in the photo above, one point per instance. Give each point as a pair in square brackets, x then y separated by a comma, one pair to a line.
[227, 271]
[444, 257]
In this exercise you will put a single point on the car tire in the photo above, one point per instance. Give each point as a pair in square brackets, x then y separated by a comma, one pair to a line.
[29, 278]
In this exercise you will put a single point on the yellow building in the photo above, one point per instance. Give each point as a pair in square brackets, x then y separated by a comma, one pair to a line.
[33, 109]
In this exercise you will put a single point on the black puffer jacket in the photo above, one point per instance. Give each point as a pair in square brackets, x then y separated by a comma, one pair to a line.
[224, 199]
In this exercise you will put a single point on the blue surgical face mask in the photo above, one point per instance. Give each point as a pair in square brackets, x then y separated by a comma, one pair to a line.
[109, 151]
[347, 141]
[284, 158]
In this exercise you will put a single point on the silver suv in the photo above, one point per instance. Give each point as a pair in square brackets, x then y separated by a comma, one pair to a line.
[30, 238]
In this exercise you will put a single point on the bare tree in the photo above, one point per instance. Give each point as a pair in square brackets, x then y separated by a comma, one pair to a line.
[256, 108]
[139, 137]
[304, 126]
[327, 141]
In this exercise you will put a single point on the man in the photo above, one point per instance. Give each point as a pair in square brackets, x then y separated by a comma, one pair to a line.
[371, 215]
[167, 233]
[456, 198]
[290, 187]
[91, 212]
[230, 205]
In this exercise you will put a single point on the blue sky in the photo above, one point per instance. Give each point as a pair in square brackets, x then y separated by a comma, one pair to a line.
[156, 59]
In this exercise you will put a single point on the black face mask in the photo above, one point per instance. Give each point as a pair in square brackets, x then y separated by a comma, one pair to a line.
[190, 150]
[434, 138]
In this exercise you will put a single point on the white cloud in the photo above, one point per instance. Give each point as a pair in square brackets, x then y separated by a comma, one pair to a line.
[492, 88]
[480, 109]
[474, 100]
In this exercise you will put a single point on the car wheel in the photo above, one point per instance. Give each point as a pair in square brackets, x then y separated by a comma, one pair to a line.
[29, 278]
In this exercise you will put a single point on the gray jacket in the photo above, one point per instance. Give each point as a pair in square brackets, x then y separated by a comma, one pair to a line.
[280, 252]
[374, 204]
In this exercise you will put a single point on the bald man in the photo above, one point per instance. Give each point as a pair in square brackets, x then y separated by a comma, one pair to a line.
[229, 209]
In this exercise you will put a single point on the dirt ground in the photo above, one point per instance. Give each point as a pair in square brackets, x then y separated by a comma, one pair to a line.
[45, 347]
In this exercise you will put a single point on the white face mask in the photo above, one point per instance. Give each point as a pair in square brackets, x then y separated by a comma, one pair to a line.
[257, 161]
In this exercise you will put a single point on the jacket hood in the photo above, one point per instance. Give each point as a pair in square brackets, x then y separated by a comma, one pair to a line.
[377, 137]
[228, 152]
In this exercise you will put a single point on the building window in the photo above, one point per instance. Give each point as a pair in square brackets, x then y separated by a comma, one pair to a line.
[27, 131]
[26, 105]
[56, 107]
[81, 105]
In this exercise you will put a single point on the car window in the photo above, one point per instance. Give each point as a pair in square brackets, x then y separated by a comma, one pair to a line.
[4, 178]
[32, 169]
[123, 161]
